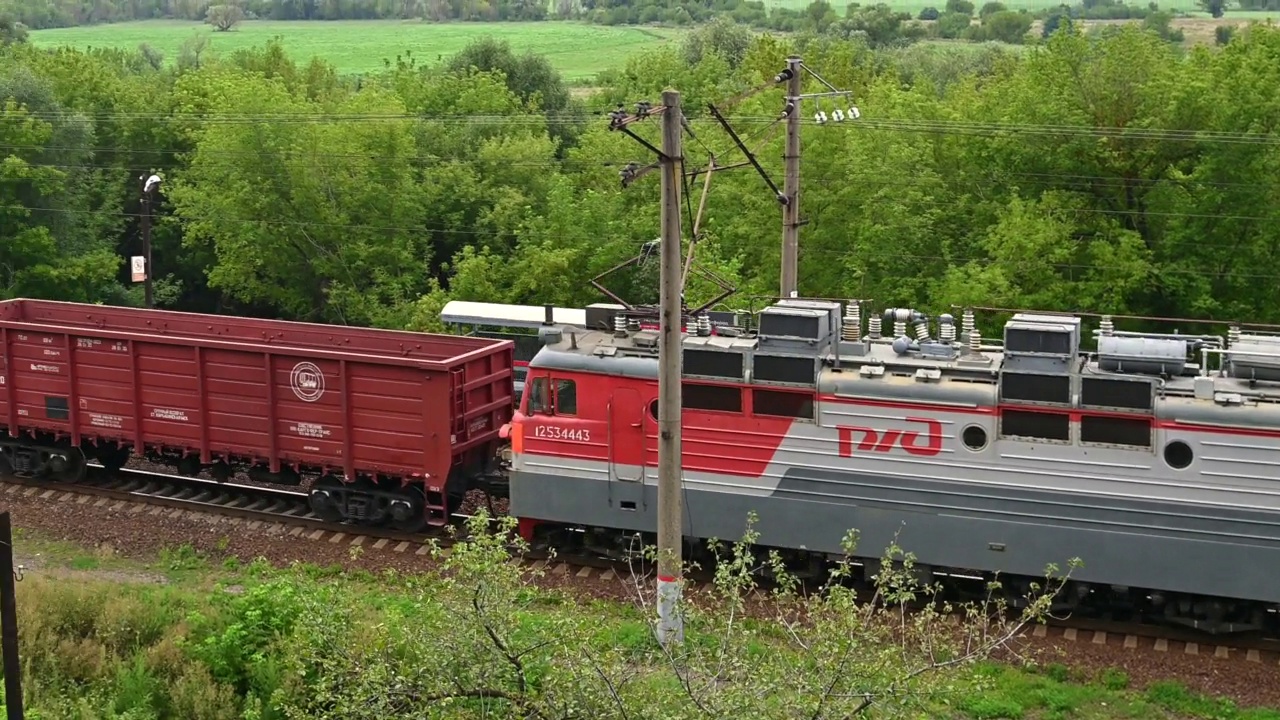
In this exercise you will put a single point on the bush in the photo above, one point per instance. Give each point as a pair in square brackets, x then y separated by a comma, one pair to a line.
[929, 13]
[1008, 27]
[991, 8]
[953, 24]
[1223, 34]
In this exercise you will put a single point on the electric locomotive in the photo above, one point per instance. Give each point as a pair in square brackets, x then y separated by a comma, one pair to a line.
[1151, 458]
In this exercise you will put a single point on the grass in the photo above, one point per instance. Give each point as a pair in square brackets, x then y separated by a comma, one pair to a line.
[104, 631]
[577, 50]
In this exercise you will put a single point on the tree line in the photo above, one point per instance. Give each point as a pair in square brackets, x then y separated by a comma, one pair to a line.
[1110, 172]
[818, 15]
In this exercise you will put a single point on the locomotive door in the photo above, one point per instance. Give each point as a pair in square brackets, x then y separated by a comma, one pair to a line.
[626, 449]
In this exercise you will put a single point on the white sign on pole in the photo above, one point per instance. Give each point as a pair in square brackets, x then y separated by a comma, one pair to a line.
[139, 266]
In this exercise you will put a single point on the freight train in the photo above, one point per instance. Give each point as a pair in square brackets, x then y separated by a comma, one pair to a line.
[1152, 457]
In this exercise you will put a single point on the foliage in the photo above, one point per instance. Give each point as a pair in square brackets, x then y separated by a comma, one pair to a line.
[481, 638]
[1216, 8]
[224, 17]
[295, 192]
[110, 640]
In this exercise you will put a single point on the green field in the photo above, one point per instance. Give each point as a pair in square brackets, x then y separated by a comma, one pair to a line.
[579, 51]
[915, 6]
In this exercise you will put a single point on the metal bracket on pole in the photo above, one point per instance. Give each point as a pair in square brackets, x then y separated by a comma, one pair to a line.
[751, 158]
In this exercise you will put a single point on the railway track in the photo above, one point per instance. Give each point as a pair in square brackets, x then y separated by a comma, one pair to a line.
[287, 512]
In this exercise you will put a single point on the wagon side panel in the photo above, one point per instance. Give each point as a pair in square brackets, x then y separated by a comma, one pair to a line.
[106, 396]
[38, 381]
[395, 419]
[310, 419]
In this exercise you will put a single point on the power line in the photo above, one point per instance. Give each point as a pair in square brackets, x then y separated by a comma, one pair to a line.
[872, 180]
[953, 260]
[889, 124]
[568, 163]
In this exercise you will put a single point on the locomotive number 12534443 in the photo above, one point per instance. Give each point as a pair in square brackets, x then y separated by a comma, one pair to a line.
[555, 432]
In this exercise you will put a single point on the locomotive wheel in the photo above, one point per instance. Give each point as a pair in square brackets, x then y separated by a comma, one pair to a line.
[412, 519]
[325, 498]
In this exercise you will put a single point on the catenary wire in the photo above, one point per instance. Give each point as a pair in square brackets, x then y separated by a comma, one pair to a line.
[489, 233]
[692, 162]
[864, 123]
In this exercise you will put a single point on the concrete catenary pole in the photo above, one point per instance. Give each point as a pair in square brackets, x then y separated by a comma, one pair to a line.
[791, 182]
[670, 520]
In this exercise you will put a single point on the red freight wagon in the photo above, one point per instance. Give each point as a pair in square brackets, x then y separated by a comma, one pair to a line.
[405, 418]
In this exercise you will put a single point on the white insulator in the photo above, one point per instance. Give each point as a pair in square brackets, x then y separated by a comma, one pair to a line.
[1233, 335]
[922, 331]
[704, 325]
[620, 325]
[873, 327]
[975, 341]
[899, 328]
[1108, 327]
[948, 333]
[852, 327]
[966, 323]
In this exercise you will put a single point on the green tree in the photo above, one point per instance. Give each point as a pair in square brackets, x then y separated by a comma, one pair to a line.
[953, 24]
[317, 220]
[35, 261]
[1216, 8]
[1006, 26]
[224, 17]
[991, 8]
[12, 32]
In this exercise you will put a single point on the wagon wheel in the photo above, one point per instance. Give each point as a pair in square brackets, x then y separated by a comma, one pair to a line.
[67, 465]
[326, 507]
[416, 519]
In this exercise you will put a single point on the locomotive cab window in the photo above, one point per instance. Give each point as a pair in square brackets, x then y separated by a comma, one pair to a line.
[566, 397]
[539, 396]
